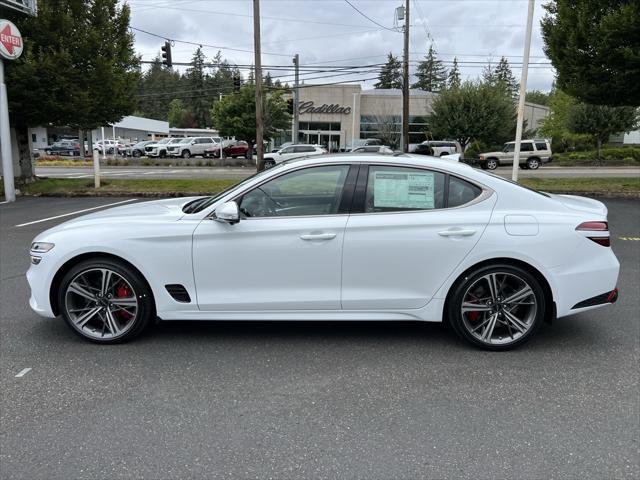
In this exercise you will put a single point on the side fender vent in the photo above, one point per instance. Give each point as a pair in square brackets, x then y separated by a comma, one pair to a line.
[178, 292]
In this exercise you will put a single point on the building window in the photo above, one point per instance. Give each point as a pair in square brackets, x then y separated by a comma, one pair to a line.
[323, 126]
[34, 138]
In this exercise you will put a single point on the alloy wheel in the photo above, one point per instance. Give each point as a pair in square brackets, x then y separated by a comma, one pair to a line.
[101, 303]
[499, 308]
[492, 164]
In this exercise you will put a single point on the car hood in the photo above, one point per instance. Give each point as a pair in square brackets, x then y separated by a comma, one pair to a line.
[165, 210]
[582, 204]
[488, 154]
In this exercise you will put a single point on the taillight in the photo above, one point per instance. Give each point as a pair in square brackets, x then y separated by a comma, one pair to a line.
[596, 227]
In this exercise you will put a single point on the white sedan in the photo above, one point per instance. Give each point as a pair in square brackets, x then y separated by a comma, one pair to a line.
[345, 237]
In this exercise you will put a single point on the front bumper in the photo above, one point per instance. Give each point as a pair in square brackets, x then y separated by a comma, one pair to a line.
[38, 278]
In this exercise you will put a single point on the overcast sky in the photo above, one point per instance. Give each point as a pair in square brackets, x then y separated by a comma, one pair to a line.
[331, 33]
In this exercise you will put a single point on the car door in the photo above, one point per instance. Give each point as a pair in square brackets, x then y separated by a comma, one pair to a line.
[409, 229]
[286, 251]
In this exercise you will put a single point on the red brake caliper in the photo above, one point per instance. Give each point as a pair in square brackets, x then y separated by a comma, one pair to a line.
[123, 291]
[473, 316]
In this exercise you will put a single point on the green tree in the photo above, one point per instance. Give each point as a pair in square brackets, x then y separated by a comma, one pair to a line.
[538, 97]
[504, 77]
[476, 111]
[432, 76]
[78, 69]
[157, 85]
[454, 81]
[199, 99]
[601, 121]
[556, 125]
[390, 75]
[176, 113]
[595, 49]
[235, 114]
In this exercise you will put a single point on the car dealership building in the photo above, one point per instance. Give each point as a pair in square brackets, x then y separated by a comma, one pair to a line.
[334, 114]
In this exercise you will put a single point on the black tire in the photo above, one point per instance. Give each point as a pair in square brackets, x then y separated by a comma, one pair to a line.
[461, 324]
[145, 304]
[492, 163]
[248, 155]
[186, 154]
[269, 163]
[533, 163]
[136, 153]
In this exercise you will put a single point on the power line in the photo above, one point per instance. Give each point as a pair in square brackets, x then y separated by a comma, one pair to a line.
[369, 18]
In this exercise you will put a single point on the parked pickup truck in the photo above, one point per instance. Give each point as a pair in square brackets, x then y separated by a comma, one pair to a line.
[533, 153]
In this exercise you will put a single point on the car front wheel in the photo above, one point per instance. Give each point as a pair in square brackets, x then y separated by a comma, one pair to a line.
[492, 164]
[496, 307]
[105, 301]
[186, 154]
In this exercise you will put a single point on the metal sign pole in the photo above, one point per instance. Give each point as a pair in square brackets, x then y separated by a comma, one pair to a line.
[5, 141]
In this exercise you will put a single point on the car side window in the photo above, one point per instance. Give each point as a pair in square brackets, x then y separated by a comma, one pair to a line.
[310, 191]
[394, 189]
[304, 149]
[461, 192]
[541, 146]
[526, 147]
[287, 150]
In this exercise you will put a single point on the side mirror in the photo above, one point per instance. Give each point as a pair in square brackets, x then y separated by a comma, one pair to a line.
[228, 213]
[193, 142]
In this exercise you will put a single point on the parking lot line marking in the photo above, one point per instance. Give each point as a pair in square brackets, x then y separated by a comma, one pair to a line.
[77, 211]
[633, 239]
[23, 372]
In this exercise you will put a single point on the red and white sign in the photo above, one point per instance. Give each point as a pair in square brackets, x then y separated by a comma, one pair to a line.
[10, 40]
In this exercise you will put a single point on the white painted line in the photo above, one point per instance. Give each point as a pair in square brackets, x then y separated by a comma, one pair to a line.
[23, 372]
[4, 202]
[77, 211]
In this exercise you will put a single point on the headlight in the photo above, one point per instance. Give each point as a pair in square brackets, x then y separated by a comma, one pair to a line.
[41, 247]
[481, 157]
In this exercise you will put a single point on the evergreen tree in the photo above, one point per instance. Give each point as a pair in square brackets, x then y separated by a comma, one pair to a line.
[454, 75]
[176, 113]
[391, 74]
[432, 76]
[78, 68]
[157, 85]
[267, 81]
[199, 100]
[504, 76]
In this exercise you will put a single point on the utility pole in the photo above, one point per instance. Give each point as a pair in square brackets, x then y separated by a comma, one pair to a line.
[258, 75]
[296, 99]
[523, 89]
[405, 83]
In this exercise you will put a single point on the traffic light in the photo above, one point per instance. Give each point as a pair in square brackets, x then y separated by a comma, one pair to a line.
[290, 106]
[236, 83]
[166, 54]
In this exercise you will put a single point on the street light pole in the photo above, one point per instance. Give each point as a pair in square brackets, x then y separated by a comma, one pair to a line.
[258, 75]
[523, 89]
[296, 99]
[405, 83]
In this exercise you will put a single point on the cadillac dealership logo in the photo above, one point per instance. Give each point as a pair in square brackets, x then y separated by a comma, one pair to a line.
[308, 107]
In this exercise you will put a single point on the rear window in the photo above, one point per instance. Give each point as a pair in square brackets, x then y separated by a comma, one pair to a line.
[461, 192]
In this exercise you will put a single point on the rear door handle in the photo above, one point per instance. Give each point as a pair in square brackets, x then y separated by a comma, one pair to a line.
[318, 236]
[456, 233]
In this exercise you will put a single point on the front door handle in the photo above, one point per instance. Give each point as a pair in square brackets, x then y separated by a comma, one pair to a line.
[318, 236]
[456, 233]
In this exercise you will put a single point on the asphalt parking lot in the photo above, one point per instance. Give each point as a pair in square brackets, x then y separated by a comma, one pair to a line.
[315, 400]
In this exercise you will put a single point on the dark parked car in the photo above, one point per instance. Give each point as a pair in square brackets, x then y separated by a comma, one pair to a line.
[64, 147]
[230, 148]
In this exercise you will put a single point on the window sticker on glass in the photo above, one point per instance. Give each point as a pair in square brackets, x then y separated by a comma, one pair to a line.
[403, 190]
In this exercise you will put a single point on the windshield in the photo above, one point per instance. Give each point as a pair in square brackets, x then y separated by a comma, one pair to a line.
[185, 140]
[509, 147]
[200, 204]
[163, 141]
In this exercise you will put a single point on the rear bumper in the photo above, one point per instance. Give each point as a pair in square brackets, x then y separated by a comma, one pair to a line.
[602, 299]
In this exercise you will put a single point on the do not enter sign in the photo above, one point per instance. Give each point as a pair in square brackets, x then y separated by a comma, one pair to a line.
[10, 40]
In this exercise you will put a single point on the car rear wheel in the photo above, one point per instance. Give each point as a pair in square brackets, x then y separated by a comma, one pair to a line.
[268, 163]
[497, 307]
[533, 164]
[247, 155]
[492, 164]
[105, 301]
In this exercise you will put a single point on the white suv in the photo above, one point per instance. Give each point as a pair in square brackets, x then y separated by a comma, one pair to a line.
[190, 147]
[159, 148]
[533, 153]
[292, 151]
[441, 148]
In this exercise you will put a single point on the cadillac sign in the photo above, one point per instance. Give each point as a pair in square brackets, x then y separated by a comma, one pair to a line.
[309, 107]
